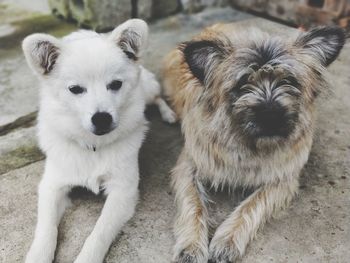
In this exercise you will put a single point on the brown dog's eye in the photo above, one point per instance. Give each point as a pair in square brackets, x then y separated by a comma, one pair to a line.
[239, 88]
[289, 81]
[242, 81]
[115, 85]
[76, 89]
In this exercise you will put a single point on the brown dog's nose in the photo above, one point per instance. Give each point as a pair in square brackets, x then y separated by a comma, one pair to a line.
[271, 119]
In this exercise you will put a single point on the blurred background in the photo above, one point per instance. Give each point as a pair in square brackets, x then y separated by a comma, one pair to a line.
[104, 14]
[315, 229]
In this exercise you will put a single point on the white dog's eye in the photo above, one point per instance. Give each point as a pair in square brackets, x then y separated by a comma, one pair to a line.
[76, 89]
[115, 85]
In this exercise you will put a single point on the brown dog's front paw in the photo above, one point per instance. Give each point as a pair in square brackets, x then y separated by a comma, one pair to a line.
[223, 251]
[192, 256]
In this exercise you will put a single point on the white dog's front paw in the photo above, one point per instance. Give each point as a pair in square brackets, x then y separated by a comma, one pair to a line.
[39, 254]
[92, 252]
[83, 259]
[88, 257]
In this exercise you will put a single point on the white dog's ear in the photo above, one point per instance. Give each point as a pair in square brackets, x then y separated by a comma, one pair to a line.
[324, 43]
[41, 52]
[131, 37]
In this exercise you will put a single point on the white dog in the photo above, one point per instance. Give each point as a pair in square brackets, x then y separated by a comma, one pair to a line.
[91, 125]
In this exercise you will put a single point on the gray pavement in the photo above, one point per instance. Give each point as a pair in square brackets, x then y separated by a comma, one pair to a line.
[314, 229]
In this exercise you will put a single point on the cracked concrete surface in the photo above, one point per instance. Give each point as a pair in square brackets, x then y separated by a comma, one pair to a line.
[316, 228]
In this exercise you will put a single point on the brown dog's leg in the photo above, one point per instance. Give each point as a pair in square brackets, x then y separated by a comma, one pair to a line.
[191, 225]
[233, 235]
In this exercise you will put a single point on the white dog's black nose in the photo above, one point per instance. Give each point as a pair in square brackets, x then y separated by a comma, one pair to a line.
[102, 122]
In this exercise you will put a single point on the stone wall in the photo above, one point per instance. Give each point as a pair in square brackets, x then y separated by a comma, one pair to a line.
[305, 13]
[105, 14]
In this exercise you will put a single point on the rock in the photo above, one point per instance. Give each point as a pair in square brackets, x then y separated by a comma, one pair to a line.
[17, 87]
[18, 9]
[100, 15]
[303, 13]
[105, 14]
[18, 149]
[163, 8]
[144, 9]
[60, 8]
[191, 6]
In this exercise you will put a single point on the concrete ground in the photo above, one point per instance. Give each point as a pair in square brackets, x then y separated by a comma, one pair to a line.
[316, 228]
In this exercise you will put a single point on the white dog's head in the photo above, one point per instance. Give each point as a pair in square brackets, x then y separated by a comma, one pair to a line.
[90, 80]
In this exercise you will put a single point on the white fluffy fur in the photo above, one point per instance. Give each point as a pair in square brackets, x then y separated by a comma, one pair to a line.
[76, 156]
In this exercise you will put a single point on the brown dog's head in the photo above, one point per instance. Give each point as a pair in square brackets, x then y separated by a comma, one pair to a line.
[263, 86]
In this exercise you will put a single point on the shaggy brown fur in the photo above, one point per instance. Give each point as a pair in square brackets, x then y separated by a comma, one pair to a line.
[246, 101]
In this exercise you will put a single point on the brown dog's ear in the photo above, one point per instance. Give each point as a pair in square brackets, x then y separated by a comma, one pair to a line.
[324, 43]
[131, 37]
[201, 56]
[41, 52]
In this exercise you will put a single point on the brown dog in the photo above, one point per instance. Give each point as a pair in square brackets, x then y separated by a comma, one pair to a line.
[246, 101]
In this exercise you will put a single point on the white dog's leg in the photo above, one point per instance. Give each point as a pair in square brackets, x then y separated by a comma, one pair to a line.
[152, 92]
[118, 209]
[52, 202]
[167, 114]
